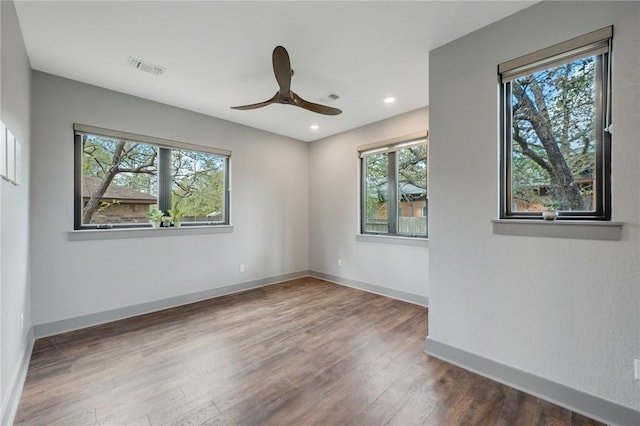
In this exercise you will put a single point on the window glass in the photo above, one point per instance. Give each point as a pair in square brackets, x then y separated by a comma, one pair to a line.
[394, 181]
[412, 190]
[198, 186]
[122, 182]
[119, 180]
[556, 145]
[376, 193]
[553, 153]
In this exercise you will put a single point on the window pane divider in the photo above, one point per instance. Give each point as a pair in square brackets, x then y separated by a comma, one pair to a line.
[392, 194]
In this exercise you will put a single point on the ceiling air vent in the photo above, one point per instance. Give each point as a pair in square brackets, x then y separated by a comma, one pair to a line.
[329, 97]
[145, 66]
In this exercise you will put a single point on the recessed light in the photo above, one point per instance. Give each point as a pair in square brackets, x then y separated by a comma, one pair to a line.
[314, 127]
[389, 100]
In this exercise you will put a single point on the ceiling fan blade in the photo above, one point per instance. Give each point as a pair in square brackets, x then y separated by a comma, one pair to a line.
[273, 100]
[282, 69]
[283, 73]
[320, 109]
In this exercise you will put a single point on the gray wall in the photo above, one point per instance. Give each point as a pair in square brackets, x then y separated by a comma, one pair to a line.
[565, 310]
[393, 267]
[15, 95]
[270, 208]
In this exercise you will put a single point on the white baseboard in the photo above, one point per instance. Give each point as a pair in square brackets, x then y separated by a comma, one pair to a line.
[12, 400]
[589, 405]
[372, 288]
[84, 321]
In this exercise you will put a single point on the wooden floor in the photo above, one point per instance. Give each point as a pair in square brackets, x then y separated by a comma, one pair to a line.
[305, 352]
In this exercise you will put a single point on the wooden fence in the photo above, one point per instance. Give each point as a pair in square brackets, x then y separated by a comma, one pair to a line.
[406, 225]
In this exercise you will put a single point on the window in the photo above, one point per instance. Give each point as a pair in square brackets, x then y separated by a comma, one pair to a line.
[122, 179]
[555, 140]
[394, 187]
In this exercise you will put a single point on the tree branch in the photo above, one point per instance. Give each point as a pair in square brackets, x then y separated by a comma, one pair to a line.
[562, 180]
[141, 168]
[526, 150]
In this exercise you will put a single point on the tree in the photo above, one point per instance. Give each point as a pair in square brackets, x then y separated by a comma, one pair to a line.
[197, 178]
[412, 170]
[554, 132]
[197, 182]
[376, 179]
[110, 159]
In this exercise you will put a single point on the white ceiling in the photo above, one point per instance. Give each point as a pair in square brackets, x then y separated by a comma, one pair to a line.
[218, 54]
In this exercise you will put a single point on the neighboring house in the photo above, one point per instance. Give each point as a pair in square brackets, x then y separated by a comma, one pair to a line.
[119, 204]
[413, 202]
[413, 208]
[542, 199]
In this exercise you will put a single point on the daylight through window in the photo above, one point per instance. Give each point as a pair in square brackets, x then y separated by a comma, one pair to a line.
[394, 197]
[125, 181]
[555, 142]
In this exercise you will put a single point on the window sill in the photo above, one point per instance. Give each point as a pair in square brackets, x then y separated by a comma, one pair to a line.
[588, 230]
[393, 239]
[116, 234]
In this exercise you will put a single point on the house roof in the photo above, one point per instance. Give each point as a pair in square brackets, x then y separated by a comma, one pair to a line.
[115, 192]
[409, 189]
[406, 189]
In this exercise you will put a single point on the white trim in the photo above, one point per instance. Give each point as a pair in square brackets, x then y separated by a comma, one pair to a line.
[120, 233]
[404, 296]
[89, 320]
[12, 400]
[575, 400]
[393, 239]
[587, 230]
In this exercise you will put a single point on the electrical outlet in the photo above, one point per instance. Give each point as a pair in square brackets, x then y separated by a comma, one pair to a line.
[636, 369]
[242, 267]
[339, 262]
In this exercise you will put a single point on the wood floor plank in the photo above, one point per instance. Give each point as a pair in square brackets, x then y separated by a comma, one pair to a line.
[303, 352]
[417, 404]
[552, 415]
[580, 420]
[518, 408]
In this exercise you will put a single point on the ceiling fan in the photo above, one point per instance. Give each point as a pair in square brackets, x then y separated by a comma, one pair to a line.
[282, 70]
